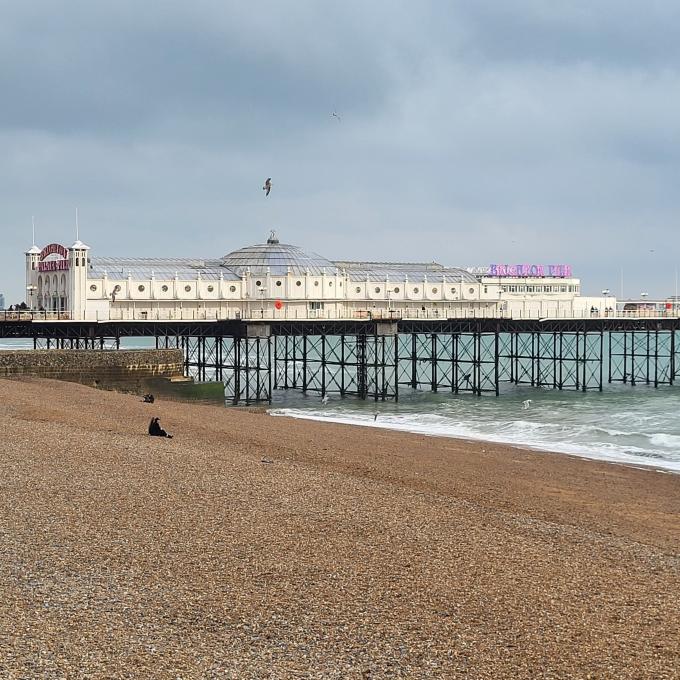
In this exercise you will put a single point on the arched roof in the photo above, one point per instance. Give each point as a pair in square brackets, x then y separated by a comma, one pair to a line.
[277, 258]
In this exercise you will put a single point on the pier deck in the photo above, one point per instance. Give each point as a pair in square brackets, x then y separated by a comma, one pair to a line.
[377, 357]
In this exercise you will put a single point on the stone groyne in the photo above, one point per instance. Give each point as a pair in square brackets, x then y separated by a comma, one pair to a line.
[111, 369]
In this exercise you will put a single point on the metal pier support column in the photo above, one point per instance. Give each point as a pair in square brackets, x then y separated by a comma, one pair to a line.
[435, 356]
[343, 368]
[497, 359]
[247, 367]
[304, 363]
[382, 368]
[362, 369]
[673, 361]
[414, 360]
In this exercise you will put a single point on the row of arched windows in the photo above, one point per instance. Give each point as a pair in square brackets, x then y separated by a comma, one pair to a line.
[51, 293]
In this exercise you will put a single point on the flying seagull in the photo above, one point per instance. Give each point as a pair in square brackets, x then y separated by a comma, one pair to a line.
[526, 403]
[335, 115]
[267, 186]
[324, 399]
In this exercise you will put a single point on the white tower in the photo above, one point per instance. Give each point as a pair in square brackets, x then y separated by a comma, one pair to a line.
[32, 259]
[78, 280]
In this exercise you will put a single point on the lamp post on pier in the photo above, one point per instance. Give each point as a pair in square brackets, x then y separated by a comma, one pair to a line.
[262, 290]
[30, 289]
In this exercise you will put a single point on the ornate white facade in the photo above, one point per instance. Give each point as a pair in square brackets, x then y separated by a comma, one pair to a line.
[278, 281]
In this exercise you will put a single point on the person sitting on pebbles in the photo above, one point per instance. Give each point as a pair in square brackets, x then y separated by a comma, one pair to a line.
[155, 429]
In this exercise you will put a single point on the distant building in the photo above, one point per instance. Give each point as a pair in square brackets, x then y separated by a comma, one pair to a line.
[2, 301]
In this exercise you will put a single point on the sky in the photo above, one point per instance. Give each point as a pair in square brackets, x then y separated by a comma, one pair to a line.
[468, 132]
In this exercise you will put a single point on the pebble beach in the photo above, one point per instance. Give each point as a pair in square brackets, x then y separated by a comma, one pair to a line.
[256, 547]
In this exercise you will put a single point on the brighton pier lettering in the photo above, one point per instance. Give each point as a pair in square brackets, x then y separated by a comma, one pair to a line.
[53, 265]
[54, 249]
[531, 270]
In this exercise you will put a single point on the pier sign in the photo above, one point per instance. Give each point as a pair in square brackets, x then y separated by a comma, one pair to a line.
[58, 263]
[562, 271]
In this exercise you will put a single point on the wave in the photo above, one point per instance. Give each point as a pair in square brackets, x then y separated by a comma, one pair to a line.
[585, 441]
[668, 441]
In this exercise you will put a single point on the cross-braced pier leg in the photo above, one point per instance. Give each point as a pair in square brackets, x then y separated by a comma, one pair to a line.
[247, 364]
[642, 356]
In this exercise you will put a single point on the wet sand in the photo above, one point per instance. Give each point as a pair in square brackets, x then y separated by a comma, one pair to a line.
[258, 547]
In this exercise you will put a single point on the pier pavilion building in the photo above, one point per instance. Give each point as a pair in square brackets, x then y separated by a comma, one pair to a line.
[273, 280]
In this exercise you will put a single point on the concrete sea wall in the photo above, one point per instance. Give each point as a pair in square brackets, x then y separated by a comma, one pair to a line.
[110, 369]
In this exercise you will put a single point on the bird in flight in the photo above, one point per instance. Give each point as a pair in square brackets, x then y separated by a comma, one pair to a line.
[335, 115]
[267, 186]
[526, 403]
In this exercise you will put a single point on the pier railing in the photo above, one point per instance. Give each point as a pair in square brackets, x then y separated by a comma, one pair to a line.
[331, 315]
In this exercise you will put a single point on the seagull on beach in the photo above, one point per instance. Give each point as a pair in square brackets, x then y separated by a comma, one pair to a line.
[267, 186]
[526, 403]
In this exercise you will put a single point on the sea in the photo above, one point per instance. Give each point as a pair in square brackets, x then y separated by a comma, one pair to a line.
[637, 426]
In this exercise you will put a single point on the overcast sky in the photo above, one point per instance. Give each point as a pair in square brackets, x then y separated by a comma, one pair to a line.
[514, 131]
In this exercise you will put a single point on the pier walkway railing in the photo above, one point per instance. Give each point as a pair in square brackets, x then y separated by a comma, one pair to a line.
[329, 315]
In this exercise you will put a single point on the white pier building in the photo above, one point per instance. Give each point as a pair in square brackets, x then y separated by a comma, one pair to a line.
[274, 280]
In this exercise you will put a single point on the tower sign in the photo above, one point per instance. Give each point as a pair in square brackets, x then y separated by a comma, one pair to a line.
[58, 261]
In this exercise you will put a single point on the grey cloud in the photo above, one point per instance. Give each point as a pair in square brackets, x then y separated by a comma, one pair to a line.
[472, 131]
[104, 69]
[623, 35]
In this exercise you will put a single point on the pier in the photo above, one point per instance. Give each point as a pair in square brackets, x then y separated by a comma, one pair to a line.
[379, 358]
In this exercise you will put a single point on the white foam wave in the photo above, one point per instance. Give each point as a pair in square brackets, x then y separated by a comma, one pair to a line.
[526, 434]
[667, 441]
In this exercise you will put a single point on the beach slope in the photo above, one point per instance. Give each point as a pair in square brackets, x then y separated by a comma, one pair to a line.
[256, 547]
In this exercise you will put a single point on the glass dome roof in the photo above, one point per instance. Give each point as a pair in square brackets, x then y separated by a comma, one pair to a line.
[278, 258]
